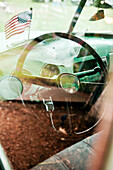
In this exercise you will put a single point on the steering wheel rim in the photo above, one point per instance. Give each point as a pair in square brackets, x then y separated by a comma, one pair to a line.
[48, 81]
[44, 81]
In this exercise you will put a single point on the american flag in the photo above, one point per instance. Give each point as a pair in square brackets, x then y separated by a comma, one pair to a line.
[18, 23]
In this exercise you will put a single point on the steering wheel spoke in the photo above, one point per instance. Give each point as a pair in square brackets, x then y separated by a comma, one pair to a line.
[93, 83]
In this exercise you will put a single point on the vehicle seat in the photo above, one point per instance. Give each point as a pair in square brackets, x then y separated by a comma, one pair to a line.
[75, 157]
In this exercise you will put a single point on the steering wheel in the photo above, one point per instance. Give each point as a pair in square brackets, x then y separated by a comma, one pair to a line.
[69, 82]
[72, 85]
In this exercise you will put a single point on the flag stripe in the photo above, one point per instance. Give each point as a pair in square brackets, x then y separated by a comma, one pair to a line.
[17, 24]
[13, 22]
[16, 27]
[17, 30]
[15, 34]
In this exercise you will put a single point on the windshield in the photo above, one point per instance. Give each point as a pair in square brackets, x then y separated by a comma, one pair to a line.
[57, 15]
[90, 20]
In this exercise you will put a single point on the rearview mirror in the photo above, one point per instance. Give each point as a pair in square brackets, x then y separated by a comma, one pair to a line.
[99, 15]
[101, 4]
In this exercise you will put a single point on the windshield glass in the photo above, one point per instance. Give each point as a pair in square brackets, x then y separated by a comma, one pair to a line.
[90, 20]
[55, 58]
[57, 15]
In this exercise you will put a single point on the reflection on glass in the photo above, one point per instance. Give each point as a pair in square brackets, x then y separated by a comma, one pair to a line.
[10, 87]
[69, 83]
